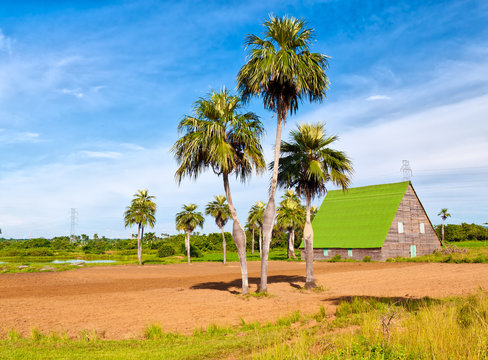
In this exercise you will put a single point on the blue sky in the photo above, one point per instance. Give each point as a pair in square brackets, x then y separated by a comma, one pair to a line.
[90, 97]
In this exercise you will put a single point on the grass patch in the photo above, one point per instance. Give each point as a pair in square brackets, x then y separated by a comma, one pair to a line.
[363, 328]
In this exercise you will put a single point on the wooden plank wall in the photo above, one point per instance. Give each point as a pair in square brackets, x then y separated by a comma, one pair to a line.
[411, 214]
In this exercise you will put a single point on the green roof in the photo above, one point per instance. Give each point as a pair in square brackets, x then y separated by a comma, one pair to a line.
[357, 218]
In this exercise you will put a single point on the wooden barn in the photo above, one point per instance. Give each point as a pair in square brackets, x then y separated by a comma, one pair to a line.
[379, 221]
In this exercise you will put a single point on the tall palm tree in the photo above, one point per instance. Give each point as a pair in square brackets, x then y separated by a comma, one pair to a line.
[307, 164]
[219, 210]
[142, 212]
[290, 216]
[255, 217]
[187, 220]
[222, 138]
[282, 70]
[444, 215]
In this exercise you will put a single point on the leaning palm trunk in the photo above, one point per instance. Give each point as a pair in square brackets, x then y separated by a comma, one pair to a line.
[291, 243]
[308, 237]
[239, 236]
[187, 245]
[270, 211]
[252, 242]
[224, 244]
[139, 249]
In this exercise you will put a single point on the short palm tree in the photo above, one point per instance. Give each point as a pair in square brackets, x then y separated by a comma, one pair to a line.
[290, 216]
[221, 138]
[313, 211]
[251, 227]
[307, 164]
[444, 215]
[187, 220]
[283, 71]
[142, 212]
[219, 210]
[255, 217]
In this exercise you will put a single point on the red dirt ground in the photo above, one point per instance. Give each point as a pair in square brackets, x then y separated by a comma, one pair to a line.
[120, 301]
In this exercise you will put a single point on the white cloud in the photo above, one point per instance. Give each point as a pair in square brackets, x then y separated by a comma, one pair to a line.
[75, 92]
[16, 137]
[68, 60]
[98, 88]
[378, 97]
[101, 154]
[100, 191]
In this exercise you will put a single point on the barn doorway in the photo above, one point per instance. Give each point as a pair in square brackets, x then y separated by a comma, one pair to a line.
[413, 250]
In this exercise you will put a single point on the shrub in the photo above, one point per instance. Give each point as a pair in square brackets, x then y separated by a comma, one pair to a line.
[166, 250]
[367, 258]
[335, 258]
[194, 251]
[39, 252]
[13, 252]
[153, 332]
[128, 252]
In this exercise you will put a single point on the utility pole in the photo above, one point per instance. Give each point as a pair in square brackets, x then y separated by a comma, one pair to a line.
[74, 220]
[406, 170]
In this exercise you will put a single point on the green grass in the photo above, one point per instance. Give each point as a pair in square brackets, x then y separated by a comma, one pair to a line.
[362, 328]
[35, 264]
[471, 256]
[470, 244]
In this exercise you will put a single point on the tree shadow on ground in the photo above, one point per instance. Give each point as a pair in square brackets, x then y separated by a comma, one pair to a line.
[409, 303]
[293, 280]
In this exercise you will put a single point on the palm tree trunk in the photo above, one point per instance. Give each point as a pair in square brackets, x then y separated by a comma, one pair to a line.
[188, 232]
[291, 243]
[252, 242]
[224, 244]
[239, 236]
[139, 243]
[442, 242]
[270, 211]
[308, 237]
[139, 250]
[260, 242]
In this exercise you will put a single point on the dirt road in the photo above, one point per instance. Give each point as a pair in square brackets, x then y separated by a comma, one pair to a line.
[120, 301]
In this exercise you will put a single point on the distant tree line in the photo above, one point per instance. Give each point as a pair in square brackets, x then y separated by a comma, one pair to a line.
[200, 243]
[462, 232]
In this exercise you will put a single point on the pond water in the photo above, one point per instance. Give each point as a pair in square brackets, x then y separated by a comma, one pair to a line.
[79, 261]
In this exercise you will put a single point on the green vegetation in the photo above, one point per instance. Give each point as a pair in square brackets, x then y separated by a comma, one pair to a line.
[187, 220]
[141, 212]
[307, 164]
[37, 254]
[220, 211]
[463, 232]
[290, 217]
[452, 254]
[362, 328]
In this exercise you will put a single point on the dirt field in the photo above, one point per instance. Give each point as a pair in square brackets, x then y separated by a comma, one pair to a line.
[120, 301]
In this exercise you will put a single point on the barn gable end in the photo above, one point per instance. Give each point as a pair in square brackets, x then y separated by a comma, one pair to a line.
[410, 214]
